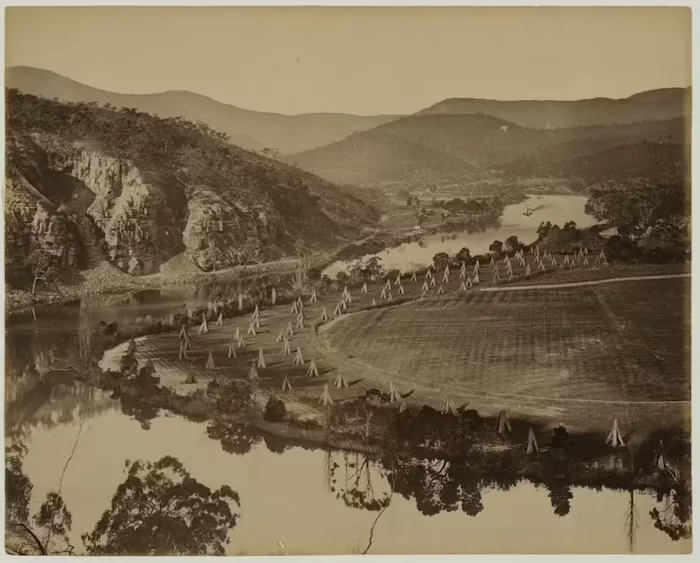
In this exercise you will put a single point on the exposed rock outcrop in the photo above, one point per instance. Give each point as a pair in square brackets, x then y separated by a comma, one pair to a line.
[87, 184]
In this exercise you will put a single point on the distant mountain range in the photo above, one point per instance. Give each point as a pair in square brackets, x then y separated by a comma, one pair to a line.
[248, 129]
[446, 141]
[665, 103]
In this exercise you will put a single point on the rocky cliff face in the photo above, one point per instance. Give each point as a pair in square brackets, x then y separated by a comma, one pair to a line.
[86, 184]
[140, 219]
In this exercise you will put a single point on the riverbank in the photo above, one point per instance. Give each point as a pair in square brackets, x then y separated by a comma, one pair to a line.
[361, 415]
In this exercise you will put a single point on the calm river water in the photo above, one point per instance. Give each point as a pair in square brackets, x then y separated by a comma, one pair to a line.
[555, 208]
[47, 410]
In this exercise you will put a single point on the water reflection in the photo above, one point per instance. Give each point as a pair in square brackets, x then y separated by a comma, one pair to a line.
[384, 504]
[396, 493]
[477, 238]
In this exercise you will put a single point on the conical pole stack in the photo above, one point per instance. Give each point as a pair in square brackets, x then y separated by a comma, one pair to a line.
[298, 358]
[325, 398]
[253, 373]
[503, 423]
[615, 437]
[313, 370]
[532, 446]
[340, 382]
[210, 362]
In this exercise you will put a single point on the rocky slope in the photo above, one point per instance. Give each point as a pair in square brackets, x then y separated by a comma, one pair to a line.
[252, 130]
[87, 183]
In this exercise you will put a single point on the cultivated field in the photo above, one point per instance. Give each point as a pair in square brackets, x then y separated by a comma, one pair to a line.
[526, 351]
[587, 346]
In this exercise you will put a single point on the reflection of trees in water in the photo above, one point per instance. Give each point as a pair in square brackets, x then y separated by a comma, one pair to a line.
[40, 386]
[138, 410]
[234, 438]
[351, 478]
[560, 496]
[56, 398]
[674, 518]
[159, 509]
[631, 522]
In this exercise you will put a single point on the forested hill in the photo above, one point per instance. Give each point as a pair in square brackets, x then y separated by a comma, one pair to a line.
[447, 147]
[149, 188]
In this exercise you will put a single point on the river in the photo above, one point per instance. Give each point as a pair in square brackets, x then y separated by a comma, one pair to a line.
[287, 501]
[555, 208]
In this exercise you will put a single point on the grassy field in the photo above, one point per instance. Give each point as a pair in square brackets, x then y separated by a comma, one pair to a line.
[495, 350]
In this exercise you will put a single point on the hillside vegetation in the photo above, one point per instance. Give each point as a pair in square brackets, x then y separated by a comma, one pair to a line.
[147, 188]
[249, 129]
[449, 147]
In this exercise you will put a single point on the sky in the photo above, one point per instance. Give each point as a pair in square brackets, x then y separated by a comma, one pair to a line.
[357, 60]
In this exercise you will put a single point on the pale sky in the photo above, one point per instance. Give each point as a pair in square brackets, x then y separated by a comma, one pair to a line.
[357, 60]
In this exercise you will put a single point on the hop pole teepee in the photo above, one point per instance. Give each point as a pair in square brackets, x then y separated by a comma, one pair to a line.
[503, 423]
[210, 362]
[298, 358]
[231, 349]
[325, 398]
[532, 446]
[448, 407]
[313, 370]
[261, 359]
[253, 373]
[615, 436]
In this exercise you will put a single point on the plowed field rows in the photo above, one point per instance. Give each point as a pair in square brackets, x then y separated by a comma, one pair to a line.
[613, 342]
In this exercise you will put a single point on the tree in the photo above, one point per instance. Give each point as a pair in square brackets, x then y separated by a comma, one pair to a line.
[275, 409]
[463, 256]
[440, 260]
[47, 531]
[161, 510]
[496, 247]
[543, 229]
[42, 266]
[513, 244]
[18, 487]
